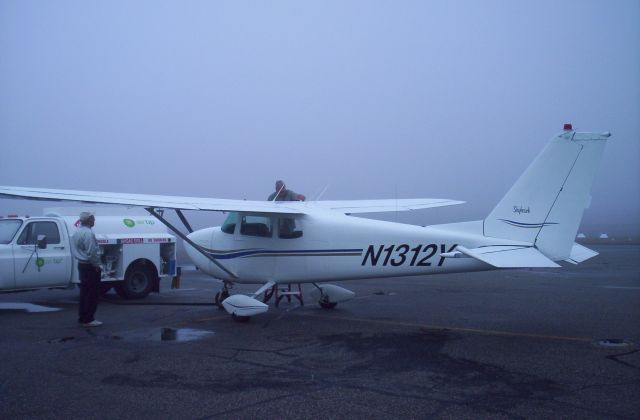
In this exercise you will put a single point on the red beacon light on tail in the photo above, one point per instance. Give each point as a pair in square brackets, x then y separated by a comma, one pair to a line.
[568, 127]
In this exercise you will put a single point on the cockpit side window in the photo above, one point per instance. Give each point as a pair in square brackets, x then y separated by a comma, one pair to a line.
[256, 226]
[230, 222]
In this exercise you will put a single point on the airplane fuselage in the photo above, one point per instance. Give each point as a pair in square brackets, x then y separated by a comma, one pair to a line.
[333, 247]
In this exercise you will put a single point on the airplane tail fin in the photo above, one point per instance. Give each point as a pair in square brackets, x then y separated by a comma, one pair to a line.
[545, 206]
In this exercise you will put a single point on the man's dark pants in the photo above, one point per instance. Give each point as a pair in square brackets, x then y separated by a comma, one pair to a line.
[89, 292]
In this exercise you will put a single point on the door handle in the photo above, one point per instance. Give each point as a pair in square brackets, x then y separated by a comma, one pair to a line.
[58, 247]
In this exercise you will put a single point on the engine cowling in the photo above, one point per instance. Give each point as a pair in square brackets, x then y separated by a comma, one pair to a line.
[203, 238]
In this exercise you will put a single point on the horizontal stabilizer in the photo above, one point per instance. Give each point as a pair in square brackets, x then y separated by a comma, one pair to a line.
[509, 256]
[580, 253]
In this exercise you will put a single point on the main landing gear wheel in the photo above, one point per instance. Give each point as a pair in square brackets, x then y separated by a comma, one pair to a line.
[326, 304]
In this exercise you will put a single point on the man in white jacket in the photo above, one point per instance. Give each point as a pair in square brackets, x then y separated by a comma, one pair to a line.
[85, 250]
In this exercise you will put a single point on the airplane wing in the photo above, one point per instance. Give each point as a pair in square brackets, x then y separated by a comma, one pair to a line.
[219, 204]
[147, 200]
[385, 205]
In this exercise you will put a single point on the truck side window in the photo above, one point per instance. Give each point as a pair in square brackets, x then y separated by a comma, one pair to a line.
[29, 235]
[256, 226]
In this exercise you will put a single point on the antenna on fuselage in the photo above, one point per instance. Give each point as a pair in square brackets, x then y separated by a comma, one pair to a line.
[278, 193]
[396, 191]
[318, 196]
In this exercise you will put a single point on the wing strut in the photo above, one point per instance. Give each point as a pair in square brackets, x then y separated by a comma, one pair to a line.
[189, 241]
[184, 220]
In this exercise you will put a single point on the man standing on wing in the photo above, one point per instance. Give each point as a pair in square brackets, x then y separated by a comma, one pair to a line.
[283, 194]
[287, 225]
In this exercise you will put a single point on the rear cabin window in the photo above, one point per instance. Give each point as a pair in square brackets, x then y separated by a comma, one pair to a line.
[288, 229]
[29, 235]
[256, 226]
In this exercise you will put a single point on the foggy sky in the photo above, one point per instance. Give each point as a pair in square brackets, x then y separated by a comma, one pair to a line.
[376, 99]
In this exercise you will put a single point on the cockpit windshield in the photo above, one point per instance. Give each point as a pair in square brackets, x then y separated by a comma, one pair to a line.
[8, 229]
[230, 222]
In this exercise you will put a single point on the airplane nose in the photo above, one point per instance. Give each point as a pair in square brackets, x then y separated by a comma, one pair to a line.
[203, 238]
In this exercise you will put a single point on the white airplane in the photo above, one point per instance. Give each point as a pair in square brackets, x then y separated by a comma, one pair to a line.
[280, 243]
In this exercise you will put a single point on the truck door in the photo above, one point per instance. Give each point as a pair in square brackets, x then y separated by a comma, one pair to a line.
[35, 267]
[8, 230]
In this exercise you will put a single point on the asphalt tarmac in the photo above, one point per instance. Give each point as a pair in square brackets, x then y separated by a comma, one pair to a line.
[534, 343]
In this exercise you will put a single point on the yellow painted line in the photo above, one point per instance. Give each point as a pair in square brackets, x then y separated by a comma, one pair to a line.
[200, 320]
[412, 325]
[461, 329]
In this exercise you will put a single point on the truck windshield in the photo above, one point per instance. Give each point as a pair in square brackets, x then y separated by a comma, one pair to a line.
[8, 229]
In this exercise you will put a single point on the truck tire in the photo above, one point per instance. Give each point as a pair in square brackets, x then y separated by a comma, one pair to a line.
[137, 283]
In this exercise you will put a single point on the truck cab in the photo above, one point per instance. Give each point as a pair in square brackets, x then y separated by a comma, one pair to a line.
[34, 253]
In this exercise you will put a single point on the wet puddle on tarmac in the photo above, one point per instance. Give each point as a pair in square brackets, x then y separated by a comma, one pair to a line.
[164, 335]
[613, 343]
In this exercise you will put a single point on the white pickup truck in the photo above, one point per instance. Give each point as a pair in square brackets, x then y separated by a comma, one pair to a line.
[35, 252]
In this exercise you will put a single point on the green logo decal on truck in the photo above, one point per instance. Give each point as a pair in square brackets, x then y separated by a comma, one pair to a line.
[129, 223]
[39, 262]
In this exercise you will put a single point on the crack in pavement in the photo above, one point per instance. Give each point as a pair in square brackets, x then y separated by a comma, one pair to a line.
[352, 361]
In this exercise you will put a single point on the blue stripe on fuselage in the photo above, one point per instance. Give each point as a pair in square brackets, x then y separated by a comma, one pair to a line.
[222, 255]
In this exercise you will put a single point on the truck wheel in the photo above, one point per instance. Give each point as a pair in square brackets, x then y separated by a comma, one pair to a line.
[137, 283]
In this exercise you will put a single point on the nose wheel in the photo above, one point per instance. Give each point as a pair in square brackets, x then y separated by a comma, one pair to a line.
[222, 295]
